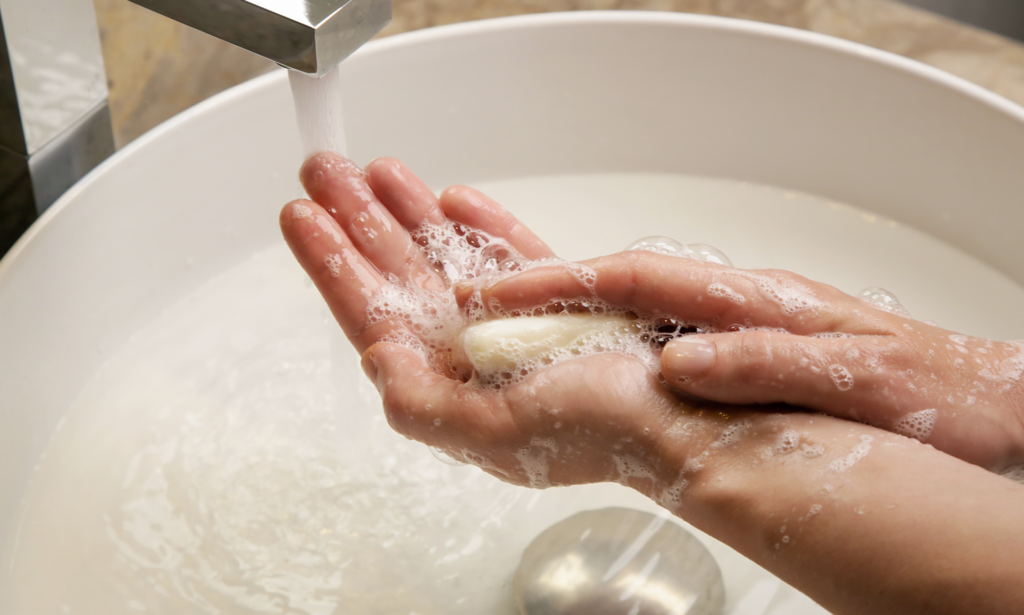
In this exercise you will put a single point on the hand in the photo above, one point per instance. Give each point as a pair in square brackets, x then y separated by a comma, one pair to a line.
[812, 498]
[790, 340]
[589, 420]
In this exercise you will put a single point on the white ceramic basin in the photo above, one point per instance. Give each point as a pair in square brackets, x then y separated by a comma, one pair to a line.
[489, 101]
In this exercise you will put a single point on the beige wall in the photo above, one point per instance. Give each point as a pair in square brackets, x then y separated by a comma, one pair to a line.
[158, 68]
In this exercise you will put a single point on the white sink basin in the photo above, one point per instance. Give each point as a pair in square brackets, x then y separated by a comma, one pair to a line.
[554, 95]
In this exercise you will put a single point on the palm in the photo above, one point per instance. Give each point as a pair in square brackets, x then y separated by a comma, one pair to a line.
[355, 236]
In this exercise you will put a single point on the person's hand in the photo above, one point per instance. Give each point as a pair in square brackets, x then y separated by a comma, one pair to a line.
[588, 420]
[786, 339]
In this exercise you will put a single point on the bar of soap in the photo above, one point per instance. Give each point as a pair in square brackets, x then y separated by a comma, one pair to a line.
[510, 344]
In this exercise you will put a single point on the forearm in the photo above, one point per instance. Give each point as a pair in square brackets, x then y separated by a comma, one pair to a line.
[877, 523]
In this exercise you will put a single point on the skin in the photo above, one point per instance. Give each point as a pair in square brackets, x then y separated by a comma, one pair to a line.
[862, 520]
[898, 365]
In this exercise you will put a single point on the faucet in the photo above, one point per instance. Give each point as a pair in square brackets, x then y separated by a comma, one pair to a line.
[310, 36]
[54, 116]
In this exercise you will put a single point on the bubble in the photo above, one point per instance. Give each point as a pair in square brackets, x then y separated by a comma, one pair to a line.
[917, 425]
[726, 292]
[333, 263]
[841, 376]
[793, 297]
[301, 212]
[441, 455]
[534, 463]
[812, 450]
[659, 245]
[787, 442]
[732, 434]
[883, 300]
[706, 253]
[672, 496]
[859, 451]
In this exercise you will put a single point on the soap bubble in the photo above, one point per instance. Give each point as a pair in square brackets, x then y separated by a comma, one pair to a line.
[444, 457]
[659, 245]
[706, 253]
[883, 300]
[671, 247]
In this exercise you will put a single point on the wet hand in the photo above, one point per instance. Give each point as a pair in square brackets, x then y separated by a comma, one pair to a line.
[587, 420]
[786, 339]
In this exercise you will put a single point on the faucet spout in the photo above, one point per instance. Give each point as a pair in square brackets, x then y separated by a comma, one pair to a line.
[310, 36]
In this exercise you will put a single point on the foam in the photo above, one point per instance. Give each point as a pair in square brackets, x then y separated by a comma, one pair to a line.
[811, 451]
[706, 253]
[841, 376]
[302, 212]
[883, 300]
[333, 262]
[732, 433]
[533, 461]
[917, 425]
[658, 245]
[787, 442]
[630, 467]
[790, 296]
[670, 247]
[859, 452]
[725, 292]
[672, 496]
[467, 255]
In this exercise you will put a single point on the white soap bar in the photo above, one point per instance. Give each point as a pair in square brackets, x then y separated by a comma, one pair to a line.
[516, 343]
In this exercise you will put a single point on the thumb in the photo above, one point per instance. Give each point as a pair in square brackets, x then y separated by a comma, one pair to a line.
[688, 357]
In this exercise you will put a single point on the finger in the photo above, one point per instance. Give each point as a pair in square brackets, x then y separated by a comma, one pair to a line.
[843, 377]
[341, 188]
[695, 292]
[473, 208]
[408, 199]
[866, 379]
[343, 276]
[424, 405]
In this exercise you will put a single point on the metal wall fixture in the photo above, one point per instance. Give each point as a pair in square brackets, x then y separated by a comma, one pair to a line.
[310, 36]
[54, 118]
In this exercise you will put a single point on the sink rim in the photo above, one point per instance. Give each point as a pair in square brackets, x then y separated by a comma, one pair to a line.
[824, 41]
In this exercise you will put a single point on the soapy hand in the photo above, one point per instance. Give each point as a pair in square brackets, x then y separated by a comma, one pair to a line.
[812, 498]
[785, 339]
[580, 421]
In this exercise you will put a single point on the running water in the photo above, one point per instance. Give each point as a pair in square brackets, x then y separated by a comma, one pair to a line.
[318, 111]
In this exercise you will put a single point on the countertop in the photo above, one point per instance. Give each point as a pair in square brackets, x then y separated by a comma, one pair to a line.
[157, 68]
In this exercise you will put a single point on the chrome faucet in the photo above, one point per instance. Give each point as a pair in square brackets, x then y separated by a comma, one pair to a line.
[54, 119]
[310, 36]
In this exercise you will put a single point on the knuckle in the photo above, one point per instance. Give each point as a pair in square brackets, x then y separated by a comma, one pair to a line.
[749, 363]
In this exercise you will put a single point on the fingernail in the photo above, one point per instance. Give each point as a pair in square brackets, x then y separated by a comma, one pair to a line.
[687, 356]
[369, 365]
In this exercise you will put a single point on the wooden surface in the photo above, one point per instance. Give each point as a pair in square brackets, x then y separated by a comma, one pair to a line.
[158, 68]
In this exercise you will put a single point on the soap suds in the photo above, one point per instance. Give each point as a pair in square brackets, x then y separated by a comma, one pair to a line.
[859, 452]
[725, 292]
[917, 425]
[884, 300]
[841, 376]
[333, 262]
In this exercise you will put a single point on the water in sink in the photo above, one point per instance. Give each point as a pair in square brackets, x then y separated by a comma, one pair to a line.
[231, 458]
